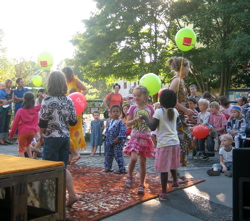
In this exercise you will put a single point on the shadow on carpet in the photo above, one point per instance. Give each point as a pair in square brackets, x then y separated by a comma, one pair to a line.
[103, 194]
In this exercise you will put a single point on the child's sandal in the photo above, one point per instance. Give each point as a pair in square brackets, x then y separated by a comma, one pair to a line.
[141, 189]
[128, 182]
[162, 196]
[175, 184]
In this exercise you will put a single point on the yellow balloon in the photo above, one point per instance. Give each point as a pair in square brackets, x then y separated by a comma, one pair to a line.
[45, 60]
[37, 81]
[185, 39]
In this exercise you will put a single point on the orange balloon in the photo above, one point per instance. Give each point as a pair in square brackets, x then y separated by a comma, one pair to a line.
[201, 131]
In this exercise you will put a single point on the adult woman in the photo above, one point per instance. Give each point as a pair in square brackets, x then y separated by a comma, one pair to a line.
[181, 66]
[114, 97]
[77, 140]
[10, 99]
[225, 103]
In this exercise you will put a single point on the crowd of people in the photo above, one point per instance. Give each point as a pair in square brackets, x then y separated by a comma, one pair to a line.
[163, 131]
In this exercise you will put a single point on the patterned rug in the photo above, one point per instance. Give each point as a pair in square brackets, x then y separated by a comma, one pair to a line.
[102, 194]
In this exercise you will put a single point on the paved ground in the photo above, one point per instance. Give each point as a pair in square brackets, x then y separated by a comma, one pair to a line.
[209, 200]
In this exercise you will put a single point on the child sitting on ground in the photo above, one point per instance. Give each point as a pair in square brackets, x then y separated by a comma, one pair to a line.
[236, 124]
[217, 122]
[226, 158]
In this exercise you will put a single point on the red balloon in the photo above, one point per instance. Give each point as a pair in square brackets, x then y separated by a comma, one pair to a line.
[80, 102]
[160, 91]
[201, 131]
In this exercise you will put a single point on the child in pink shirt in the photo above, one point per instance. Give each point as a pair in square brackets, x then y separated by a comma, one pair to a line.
[26, 121]
[217, 122]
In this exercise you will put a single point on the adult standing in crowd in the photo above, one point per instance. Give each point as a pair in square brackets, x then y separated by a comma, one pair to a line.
[113, 98]
[18, 94]
[181, 67]
[193, 93]
[77, 140]
[225, 103]
[208, 96]
[10, 99]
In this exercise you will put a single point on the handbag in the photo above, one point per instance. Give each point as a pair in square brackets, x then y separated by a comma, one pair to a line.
[106, 114]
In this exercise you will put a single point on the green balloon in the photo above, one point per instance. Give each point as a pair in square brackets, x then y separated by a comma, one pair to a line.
[45, 60]
[185, 39]
[37, 81]
[152, 82]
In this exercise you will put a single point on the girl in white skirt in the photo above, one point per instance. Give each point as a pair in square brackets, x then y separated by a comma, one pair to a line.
[167, 156]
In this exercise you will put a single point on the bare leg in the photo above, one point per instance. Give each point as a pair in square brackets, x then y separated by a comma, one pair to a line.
[74, 154]
[94, 148]
[164, 181]
[70, 188]
[21, 154]
[142, 169]
[132, 163]
[28, 151]
[174, 175]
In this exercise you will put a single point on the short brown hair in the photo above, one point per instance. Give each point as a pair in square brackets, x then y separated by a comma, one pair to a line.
[56, 84]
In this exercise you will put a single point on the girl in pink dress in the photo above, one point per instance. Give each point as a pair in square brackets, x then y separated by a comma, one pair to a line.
[168, 145]
[140, 143]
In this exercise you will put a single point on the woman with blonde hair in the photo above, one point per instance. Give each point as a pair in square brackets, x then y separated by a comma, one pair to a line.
[77, 140]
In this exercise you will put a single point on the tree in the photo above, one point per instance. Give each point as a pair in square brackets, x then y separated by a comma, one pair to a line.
[223, 33]
[6, 67]
[124, 39]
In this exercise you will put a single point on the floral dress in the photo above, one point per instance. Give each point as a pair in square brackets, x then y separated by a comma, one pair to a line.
[182, 128]
[77, 140]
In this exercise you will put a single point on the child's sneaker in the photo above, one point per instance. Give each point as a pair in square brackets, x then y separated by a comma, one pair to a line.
[229, 173]
[163, 196]
[213, 173]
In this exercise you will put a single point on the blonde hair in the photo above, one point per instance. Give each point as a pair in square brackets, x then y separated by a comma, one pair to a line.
[156, 104]
[175, 63]
[215, 104]
[240, 114]
[204, 102]
[143, 89]
[7, 81]
[227, 136]
[56, 84]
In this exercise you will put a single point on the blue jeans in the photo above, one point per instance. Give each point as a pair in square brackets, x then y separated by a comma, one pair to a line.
[56, 149]
[210, 145]
[229, 166]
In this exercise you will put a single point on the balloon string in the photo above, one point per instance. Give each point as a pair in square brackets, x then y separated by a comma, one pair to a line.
[179, 82]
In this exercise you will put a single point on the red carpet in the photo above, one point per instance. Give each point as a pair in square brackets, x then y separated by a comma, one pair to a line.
[102, 194]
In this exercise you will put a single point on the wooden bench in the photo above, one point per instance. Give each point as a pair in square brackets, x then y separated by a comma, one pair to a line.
[15, 174]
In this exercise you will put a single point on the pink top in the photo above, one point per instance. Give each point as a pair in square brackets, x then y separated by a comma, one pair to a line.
[26, 121]
[140, 129]
[217, 121]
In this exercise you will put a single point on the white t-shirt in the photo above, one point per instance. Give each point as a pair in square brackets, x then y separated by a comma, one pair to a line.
[167, 134]
[203, 118]
[228, 156]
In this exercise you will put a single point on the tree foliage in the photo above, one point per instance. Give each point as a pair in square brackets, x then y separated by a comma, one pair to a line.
[128, 38]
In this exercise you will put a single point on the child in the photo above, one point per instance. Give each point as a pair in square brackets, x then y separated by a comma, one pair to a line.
[96, 127]
[167, 156]
[202, 118]
[40, 95]
[115, 138]
[217, 121]
[123, 117]
[156, 105]
[140, 143]
[191, 120]
[26, 121]
[56, 115]
[226, 158]
[236, 124]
